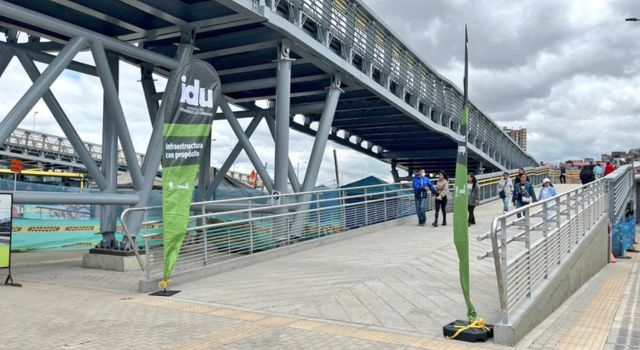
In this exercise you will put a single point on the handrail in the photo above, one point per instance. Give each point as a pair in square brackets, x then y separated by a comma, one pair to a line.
[586, 198]
[300, 207]
[268, 196]
[361, 33]
[341, 189]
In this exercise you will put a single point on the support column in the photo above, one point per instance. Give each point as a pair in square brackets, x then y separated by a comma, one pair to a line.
[283, 100]
[479, 169]
[149, 88]
[317, 153]
[203, 173]
[217, 180]
[116, 113]
[152, 159]
[394, 172]
[293, 178]
[322, 135]
[109, 159]
[248, 148]
[5, 59]
[283, 97]
[35, 92]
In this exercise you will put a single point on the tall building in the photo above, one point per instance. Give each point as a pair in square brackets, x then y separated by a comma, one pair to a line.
[518, 135]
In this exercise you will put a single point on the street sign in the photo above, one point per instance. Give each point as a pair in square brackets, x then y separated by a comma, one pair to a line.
[6, 206]
[16, 165]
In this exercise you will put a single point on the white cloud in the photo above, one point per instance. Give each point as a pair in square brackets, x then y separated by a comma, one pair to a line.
[566, 70]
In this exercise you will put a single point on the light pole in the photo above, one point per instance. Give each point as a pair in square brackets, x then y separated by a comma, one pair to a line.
[34, 121]
[298, 171]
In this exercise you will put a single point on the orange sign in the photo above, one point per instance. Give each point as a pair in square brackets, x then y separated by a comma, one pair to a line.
[16, 165]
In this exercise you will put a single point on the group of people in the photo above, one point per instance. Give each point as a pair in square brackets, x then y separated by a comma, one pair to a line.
[591, 172]
[422, 186]
[519, 193]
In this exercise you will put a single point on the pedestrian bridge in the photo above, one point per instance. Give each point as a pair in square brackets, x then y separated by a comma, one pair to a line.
[332, 63]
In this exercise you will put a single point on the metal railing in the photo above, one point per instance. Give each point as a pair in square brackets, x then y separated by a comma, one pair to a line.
[225, 228]
[222, 229]
[530, 243]
[354, 33]
[620, 183]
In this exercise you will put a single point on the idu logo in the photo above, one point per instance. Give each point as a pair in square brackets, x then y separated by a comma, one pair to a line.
[193, 95]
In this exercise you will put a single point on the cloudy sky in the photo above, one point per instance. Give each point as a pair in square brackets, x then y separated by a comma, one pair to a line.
[568, 71]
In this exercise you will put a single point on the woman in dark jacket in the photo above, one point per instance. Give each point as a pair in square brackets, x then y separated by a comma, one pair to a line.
[523, 193]
[472, 197]
[586, 174]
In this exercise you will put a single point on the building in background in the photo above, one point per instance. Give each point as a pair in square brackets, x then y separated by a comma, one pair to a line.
[518, 135]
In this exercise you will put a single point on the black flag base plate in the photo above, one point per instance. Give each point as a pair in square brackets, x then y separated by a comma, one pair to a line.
[459, 330]
[164, 293]
[9, 282]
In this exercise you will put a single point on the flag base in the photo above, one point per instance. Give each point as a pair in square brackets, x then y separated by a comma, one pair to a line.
[469, 332]
[9, 281]
[164, 293]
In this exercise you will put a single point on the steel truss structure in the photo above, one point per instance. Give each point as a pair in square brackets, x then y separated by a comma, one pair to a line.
[330, 60]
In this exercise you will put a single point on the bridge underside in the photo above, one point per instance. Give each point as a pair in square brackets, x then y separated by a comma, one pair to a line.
[301, 62]
[242, 46]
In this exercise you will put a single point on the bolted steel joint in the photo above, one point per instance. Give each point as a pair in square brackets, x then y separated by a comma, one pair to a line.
[284, 51]
[188, 35]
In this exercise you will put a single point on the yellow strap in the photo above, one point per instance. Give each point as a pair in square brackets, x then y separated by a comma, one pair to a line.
[479, 323]
[164, 284]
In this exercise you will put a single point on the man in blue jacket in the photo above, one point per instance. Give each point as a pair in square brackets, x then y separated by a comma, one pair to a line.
[420, 185]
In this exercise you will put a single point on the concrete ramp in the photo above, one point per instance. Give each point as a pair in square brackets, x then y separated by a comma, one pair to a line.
[402, 278]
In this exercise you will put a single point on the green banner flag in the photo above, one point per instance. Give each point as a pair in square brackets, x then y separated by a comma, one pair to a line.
[187, 128]
[460, 209]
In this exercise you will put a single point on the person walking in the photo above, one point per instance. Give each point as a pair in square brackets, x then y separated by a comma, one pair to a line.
[563, 174]
[586, 174]
[592, 175]
[547, 191]
[505, 191]
[609, 168]
[521, 172]
[473, 198]
[442, 191]
[420, 185]
[523, 193]
[598, 171]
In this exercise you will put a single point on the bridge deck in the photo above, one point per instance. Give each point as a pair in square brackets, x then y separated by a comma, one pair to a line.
[402, 278]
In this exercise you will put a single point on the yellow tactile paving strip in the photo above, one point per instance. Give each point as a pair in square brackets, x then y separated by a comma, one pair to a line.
[592, 328]
[259, 323]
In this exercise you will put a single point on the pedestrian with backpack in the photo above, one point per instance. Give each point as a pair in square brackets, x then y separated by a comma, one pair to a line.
[505, 191]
